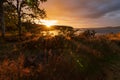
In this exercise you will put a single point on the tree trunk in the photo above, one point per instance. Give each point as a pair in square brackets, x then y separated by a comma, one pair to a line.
[19, 25]
[2, 22]
[19, 18]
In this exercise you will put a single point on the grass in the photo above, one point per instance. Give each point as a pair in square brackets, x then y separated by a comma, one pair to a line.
[59, 58]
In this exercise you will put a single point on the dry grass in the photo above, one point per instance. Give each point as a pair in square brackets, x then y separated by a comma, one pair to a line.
[59, 58]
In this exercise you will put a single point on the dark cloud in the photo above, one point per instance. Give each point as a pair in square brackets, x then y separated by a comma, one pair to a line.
[89, 8]
[104, 8]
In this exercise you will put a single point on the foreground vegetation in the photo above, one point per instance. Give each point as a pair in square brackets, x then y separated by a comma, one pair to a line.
[62, 57]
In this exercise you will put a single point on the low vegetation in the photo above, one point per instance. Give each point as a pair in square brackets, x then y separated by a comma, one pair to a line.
[60, 57]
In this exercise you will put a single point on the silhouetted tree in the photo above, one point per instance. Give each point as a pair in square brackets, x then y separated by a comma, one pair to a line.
[93, 32]
[2, 22]
[10, 17]
[89, 33]
[64, 30]
[27, 8]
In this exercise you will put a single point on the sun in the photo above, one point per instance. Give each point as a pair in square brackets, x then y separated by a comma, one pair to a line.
[49, 23]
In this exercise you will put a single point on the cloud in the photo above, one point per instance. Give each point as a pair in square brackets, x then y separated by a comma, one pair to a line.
[86, 8]
[84, 12]
[104, 8]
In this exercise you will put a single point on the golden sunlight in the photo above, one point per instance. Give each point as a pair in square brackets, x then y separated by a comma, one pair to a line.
[49, 23]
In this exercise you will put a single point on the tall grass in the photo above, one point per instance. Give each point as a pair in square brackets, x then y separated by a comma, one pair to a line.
[59, 58]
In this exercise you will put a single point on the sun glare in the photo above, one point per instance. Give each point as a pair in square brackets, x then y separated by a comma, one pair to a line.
[49, 23]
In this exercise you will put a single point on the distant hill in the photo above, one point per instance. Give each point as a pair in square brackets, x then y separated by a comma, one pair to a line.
[108, 27]
[103, 30]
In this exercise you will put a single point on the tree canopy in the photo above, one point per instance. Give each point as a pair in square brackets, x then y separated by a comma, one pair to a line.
[18, 11]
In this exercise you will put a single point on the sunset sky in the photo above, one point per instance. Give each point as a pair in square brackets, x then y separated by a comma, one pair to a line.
[84, 13]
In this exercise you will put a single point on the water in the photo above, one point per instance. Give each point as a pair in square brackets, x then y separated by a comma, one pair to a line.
[106, 31]
[99, 31]
[103, 30]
